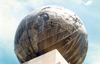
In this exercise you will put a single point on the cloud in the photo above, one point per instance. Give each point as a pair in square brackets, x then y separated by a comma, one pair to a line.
[81, 1]
[11, 14]
[8, 23]
[88, 2]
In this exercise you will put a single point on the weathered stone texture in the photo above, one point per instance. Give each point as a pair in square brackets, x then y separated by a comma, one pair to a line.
[48, 28]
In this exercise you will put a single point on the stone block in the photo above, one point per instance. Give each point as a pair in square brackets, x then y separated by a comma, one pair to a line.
[52, 57]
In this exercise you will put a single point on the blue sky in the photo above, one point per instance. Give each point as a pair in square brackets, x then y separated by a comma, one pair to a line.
[13, 11]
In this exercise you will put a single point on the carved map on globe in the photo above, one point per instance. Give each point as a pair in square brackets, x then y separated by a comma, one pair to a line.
[51, 27]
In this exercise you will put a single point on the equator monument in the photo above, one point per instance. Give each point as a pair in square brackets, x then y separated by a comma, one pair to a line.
[48, 28]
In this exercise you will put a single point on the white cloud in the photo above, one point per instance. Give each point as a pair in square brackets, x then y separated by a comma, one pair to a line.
[8, 23]
[88, 2]
[81, 1]
[11, 14]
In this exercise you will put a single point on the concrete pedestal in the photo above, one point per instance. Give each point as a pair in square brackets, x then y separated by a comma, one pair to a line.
[52, 57]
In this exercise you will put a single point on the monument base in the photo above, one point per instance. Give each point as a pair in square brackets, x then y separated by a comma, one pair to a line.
[52, 57]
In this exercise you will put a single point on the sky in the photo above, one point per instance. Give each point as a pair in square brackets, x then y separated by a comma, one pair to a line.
[13, 11]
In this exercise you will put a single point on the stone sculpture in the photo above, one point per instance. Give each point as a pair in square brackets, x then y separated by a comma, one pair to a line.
[51, 27]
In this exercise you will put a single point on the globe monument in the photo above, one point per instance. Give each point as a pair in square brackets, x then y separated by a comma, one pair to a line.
[51, 27]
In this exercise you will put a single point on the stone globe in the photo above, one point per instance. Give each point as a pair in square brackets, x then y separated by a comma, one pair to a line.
[51, 27]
